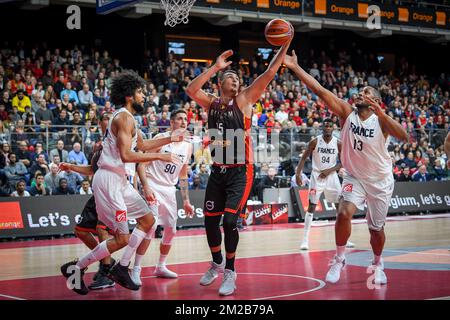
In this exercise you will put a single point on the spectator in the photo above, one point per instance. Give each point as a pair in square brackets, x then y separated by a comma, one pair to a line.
[404, 175]
[52, 178]
[73, 97]
[85, 187]
[269, 181]
[63, 188]
[20, 190]
[422, 175]
[20, 101]
[61, 122]
[73, 179]
[15, 170]
[44, 116]
[39, 149]
[203, 174]
[85, 97]
[439, 173]
[23, 155]
[39, 189]
[282, 116]
[4, 133]
[59, 151]
[163, 123]
[196, 183]
[39, 165]
[166, 98]
[77, 156]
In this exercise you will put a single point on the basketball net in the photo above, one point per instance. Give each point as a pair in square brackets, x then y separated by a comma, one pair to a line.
[177, 11]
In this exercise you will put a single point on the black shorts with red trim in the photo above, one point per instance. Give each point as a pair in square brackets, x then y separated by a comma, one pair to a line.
[89, 220]
[228, 189]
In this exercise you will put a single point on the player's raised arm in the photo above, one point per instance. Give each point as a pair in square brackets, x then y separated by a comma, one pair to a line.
[86, 170]
[125, 126]
[153, 145]
[194, 88]
[253, 92]
[298, 172]
[338, 106]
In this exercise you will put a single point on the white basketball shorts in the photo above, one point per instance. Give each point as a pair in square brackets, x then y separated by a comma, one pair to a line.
[376, 194]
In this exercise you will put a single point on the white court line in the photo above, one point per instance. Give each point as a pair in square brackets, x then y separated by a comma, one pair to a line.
[440, 298]
[11, 297]
[320, 286]
[415, 252]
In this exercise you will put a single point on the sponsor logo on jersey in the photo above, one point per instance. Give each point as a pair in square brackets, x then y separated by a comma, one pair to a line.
[347, 188]
[210, 205]
[121, 216]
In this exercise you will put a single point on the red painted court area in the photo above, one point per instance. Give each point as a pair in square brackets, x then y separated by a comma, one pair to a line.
[292, 277]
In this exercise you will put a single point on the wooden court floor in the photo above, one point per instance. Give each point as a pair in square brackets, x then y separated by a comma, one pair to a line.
[269, 265]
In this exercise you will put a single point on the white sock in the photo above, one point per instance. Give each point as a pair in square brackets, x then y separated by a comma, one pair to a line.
[162, 260]
[308, 222]
[98, 253]
[138, 259]
[135, 240]
[340, 252]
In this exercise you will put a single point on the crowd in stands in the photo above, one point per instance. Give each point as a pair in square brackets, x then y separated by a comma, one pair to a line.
[51, 101]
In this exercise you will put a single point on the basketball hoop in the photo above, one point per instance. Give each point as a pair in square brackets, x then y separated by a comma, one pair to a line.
[177, 11]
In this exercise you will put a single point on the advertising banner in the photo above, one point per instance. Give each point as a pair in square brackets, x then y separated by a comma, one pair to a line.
[407, 197]
[389, 14]
[261, 213]
[280, 213]
[58, 215]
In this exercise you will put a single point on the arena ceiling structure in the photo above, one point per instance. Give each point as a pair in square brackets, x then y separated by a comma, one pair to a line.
[427, 21]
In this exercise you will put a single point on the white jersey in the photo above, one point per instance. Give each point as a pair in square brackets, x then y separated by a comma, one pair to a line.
[325, 155]
[364, 152]
[110, 157]
[162, 173]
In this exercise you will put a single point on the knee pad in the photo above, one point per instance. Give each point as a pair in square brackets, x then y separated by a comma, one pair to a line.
[168, 235]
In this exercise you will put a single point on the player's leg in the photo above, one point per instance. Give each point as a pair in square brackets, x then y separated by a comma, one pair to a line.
[214, 205]
[101, 280]
[86, 226]
[353, 197]
[86, 237]
[109, 206]
[137, 209]
[315, 190]
[142, 249]
[238, 187]
[332, 193]
[169, 216]
[377, 208]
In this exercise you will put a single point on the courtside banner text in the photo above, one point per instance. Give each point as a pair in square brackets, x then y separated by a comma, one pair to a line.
[407, 197]
[57, 215]
[389, 14]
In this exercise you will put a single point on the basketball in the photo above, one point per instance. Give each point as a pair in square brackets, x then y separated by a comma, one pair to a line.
[278, 32]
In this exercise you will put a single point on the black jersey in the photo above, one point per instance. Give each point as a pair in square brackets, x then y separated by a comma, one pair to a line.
[229, 133]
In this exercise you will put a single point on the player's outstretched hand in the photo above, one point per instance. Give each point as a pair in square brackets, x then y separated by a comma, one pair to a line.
[149, 194]
[188, 208]
[290, 61]
[374, 106]
[171, 157]
[221, 61]
[179, 135]
[64, 166]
